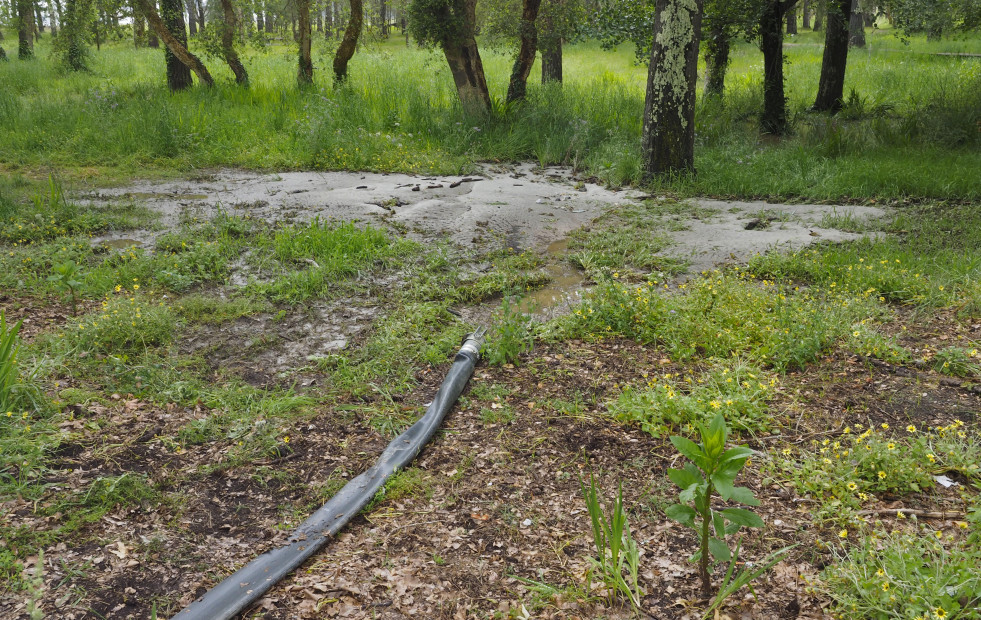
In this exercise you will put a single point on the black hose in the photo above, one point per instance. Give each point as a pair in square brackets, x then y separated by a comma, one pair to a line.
[246, 586]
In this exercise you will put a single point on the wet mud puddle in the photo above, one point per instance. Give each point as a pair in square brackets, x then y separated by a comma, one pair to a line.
[564, 287]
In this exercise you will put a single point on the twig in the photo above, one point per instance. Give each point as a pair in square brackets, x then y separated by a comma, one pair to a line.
[910, 512]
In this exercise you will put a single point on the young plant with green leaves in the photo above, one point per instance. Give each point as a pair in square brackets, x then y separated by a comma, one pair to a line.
[65, 277]
[615, 548]
[712, 470]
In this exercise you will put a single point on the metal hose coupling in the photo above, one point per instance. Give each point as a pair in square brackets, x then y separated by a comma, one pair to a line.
[473, 342]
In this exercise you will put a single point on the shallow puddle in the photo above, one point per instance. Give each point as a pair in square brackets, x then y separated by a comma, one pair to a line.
[566, 282]
[119, 244]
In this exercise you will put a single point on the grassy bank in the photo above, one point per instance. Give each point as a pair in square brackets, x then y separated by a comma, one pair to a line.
[909, 127]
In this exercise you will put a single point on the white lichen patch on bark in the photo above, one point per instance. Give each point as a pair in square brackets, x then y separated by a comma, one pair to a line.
[670, 86]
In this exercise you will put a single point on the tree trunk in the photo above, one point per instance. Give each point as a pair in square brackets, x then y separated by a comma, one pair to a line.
[806, 14]
[832, 84]
[669, 108]
[345, 51]
[38, 19]
[320, 21]
[55, 11]
[228, 43]
[463, 58]
[73, 34]
[304, 74]
[856, 26]
[819, 12]
[260, 25]
[3, 55]
[383, 16]
[139, 29]
[269, 17]
[518, 86]
[792, 21]
[550, 43]
[192, 17]
[176, 42]
[200, 6]
[25, 29]
[717, 48]
[774, 118]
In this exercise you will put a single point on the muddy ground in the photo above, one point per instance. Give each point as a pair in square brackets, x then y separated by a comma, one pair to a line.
[493, 506]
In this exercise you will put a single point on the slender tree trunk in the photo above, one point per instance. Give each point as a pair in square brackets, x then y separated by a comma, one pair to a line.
[139, 28]
[792, 21]
[832, 84]
[856, 26]
[176, 42]
[774, 118]
[192, 17]
[56, 17]
[463, 57]
[819, 11]
[304, 73]
[3, 55]
[269, 17]
[345, 51]
[550, 43]
[806, 14]
[260, 25]
[25, 29]
[669, 109]
[717, 48]
[518, 86]
[228, 43]
[200, 6]
[38, 19]
[320, 21]
[383, 16]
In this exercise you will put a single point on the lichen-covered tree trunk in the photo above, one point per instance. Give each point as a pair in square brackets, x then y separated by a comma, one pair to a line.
[176, 42]
[518, 86]
[832, 84]
[304, 74]
[25, 29]
[464, 60]
[856, 26]
[774, 118]
[345, 51]
[669, 109]
[717, 47]
[228, 43]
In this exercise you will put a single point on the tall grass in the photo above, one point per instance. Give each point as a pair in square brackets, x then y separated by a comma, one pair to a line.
[910, 127]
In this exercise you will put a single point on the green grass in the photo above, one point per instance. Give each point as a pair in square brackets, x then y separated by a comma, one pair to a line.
[910, 127]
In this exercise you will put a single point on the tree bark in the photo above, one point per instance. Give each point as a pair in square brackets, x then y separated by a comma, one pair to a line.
[304, 74]
[25, 29]
[260, 25]
[192, 17]
[819, 11]
[551, 47]
[669, 108]
[73, 34]
[463, 57]
[228, 43]
[792, 21]
[345, 51]
[717, 48]
[774, 118]
[806, 14]
[139, 27]
[518, 86]
[832, 84]
[38, 20]
[3, 55]
[383, 16]
[200, 6]
[856, 26]
[176, 43]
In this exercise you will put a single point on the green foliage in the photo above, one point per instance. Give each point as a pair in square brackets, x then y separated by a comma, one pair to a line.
[905, 574]
[126, 324]
[436, 22]
[512, 334]
[958, 361]
[848, 471]
[723, 314]
[713, 469]
[668, 403]
[617, 552]
[9, 374]
[65, 277]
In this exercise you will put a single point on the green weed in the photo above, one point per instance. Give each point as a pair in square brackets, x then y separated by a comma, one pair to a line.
[127, 323]
[617, 552]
